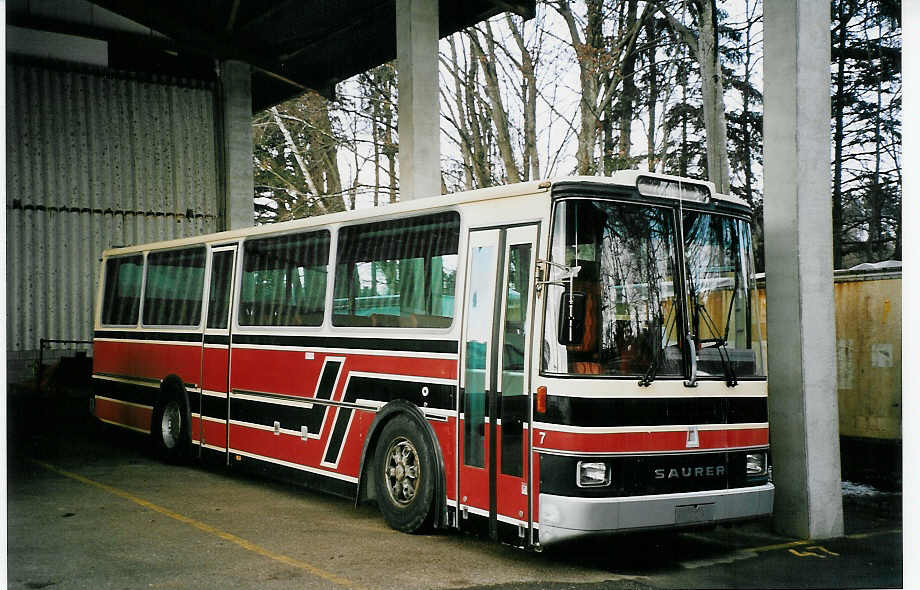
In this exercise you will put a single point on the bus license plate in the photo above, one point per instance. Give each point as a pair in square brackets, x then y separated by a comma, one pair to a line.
[694, 513]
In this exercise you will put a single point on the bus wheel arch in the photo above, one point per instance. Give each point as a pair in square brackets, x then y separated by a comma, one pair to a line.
[170, 426]
[395, 418]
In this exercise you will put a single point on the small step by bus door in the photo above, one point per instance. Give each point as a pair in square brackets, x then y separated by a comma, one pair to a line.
[211, 426]
[494, 490]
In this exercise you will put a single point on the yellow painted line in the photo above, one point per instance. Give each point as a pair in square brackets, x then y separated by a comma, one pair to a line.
[248, 545]
[779, 546]
[874, 534]
[791, 544]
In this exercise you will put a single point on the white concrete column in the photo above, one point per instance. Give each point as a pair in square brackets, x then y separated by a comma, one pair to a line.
[419, 113]
[236, 112]
[799, 265]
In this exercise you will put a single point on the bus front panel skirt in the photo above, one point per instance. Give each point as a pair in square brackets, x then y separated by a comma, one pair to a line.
[563, 518]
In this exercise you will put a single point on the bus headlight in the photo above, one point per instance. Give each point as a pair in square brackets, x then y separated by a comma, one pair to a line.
[756, 464]
[592, 474]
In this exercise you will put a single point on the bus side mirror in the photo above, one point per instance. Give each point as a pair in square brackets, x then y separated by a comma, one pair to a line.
[572, 318]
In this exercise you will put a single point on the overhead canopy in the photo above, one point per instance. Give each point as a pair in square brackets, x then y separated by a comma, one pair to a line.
[293, 45]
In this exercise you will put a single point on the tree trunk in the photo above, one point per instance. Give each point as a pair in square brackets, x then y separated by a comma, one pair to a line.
[487, 59]
[713, 99]
[652, 103]
[746, 119]
[482, 174]
[843, 18]
[586, 53]
[531, 160]
[628, 94]
[461, 118]
[684, 151]
[705, 48]
[298, 157]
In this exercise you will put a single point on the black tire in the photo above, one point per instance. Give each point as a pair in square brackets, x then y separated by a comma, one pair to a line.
[405, 476]
[169, 429]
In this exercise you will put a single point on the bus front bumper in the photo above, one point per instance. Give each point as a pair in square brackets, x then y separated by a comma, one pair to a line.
[564, 517]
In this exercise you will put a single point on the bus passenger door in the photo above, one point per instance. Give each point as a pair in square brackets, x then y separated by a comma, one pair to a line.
[494, 440]
[211, 426]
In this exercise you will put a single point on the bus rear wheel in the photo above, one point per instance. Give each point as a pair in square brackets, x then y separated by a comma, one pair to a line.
[405, 476]
[170, 430]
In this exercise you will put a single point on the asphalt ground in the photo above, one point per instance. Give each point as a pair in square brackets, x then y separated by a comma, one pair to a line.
[93, 508]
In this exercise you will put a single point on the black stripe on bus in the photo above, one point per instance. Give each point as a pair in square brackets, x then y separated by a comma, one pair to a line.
[323, 483]
[600, 412]
[337, 438]
[380, 389]
[640, 475]
[266, 411]
[214, 407]
[147, 335]
[388, 344]
[143, 395]
[126, 392]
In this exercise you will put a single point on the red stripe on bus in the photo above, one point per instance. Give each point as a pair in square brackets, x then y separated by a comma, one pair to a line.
[215, 433]
[124, 414]
[150, 360]
[309, 453]
[295, 373]
[214, 369]
[445, 432]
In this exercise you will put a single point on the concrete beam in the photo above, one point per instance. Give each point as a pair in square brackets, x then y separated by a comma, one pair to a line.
[235, 90]
[799, 266]
[419, 110]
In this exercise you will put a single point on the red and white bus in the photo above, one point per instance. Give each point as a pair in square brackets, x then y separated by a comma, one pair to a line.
[535, 362]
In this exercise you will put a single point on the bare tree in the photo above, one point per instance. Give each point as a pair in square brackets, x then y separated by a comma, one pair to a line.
[704, 44]
[600, 64]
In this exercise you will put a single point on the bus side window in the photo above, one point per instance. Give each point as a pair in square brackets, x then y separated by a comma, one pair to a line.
[121, 300]
[219, 293]
[397, 274]
[284, 280]
[174, 288]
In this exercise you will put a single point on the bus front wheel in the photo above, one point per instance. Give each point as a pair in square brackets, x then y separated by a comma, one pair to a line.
[170, 431]
[405, 476]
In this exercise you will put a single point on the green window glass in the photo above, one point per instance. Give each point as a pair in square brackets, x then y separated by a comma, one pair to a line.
[399, 273]
[174, 288]
[121, 300]
[284, 280]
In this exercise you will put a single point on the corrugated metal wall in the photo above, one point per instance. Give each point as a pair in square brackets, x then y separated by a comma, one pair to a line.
[96, 159]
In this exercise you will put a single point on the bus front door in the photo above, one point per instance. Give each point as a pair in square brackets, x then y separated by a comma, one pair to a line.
[494, 490]
[210, 427]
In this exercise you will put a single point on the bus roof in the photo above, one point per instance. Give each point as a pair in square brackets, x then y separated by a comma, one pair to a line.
[624, 178]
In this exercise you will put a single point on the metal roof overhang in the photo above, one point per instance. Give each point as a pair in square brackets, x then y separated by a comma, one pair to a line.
[292, 45]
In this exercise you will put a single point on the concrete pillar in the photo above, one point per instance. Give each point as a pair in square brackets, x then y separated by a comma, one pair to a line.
[419, 112]
[235, 90]
[799, 266]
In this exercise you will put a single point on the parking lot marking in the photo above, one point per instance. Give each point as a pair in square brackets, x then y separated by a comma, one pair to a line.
[874, 534]
[791, 544]
[248, 545]
[815, 551]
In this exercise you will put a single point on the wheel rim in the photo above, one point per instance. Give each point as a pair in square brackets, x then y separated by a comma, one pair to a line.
[171, 425]
[402, 471]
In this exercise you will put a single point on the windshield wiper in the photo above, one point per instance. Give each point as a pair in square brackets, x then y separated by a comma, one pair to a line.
[721, 344]
[728, 370]
[652, 371]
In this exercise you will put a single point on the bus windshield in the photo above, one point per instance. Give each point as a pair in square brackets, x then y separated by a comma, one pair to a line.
[722, 297]
[628, 306]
